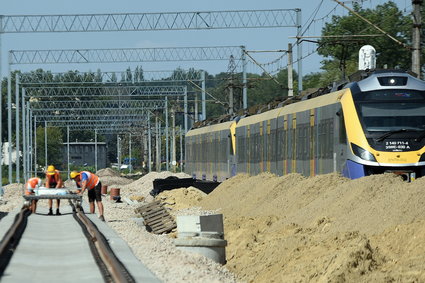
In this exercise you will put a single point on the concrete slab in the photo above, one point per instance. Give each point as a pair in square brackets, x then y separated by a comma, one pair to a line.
[52, 249]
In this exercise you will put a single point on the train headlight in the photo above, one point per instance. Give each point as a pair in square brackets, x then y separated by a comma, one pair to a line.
[362, 153]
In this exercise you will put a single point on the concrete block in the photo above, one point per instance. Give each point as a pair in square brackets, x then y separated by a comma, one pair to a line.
[189, 224]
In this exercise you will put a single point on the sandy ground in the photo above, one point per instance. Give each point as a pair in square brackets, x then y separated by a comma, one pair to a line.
[289, 229]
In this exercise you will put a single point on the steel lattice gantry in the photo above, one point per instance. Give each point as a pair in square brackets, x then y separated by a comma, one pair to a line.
[105, 91]
[29, 79]
[150, 21]
[116, 110]
[118, 55]
[145, 21]
[102, 105]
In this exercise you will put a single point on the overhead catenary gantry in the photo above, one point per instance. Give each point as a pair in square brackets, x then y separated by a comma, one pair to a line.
[144, 22]
[109, 113]
[195, 20]
[120, 55]
[111, 77]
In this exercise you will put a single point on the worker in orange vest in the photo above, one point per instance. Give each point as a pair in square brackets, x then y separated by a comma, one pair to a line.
[86, 180]
[53, 180]
[31, 185]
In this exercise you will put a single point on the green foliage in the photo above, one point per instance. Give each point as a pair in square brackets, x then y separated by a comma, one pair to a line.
[79, 168]
[388, 17]
[54, 146]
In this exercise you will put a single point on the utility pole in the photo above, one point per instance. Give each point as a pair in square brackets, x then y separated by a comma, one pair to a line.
[416, 37]
[290, 75]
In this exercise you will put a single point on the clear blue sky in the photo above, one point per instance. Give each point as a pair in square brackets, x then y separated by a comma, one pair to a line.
[253, 39]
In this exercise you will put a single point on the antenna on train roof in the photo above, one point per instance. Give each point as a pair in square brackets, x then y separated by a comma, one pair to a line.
[367, 58]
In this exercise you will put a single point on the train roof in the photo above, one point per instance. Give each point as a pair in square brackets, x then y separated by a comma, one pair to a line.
[293, 108]
[271, 114]
[211, 128]
[320, 101]
[364, 79]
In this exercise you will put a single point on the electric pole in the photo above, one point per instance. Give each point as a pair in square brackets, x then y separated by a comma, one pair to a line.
[416, 37]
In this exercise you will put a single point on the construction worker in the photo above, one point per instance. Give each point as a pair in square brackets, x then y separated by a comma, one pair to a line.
[31, 185]
[88, 181]
[53, 180]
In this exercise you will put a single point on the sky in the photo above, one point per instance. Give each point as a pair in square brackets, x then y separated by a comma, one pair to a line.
[253, 39]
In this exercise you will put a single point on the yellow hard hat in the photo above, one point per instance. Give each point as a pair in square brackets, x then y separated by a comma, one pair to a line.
[51, 170]
[73, 174]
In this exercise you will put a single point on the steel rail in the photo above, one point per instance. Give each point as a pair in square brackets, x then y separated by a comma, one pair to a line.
[116, 269]
[12, 237]
[111, 268]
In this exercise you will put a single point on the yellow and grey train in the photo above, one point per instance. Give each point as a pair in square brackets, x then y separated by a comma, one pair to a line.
[370, 126]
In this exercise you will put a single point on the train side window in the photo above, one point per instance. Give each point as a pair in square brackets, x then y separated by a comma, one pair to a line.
[341, 127]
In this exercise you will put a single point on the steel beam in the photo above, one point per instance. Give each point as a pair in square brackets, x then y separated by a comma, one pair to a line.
[149, 21]
[165, 54]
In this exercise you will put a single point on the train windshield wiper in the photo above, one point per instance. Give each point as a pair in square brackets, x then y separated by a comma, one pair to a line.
[390, 133]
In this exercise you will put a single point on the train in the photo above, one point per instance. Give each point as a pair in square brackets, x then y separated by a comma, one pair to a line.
[371, 124]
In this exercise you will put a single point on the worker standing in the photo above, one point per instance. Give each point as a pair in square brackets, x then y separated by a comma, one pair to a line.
[31, 185]
[53, 180]
[88, 181]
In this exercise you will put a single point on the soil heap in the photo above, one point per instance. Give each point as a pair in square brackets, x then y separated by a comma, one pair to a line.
[325, 228]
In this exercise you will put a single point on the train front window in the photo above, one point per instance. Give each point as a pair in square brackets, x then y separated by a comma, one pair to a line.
[391, 110]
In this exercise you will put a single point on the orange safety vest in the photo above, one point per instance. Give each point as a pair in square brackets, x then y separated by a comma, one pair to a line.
[53, 178]
[31, 184]
[92, 180]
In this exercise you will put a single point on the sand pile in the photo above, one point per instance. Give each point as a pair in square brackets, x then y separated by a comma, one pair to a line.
[173, 198]
[108, 172]
[142, 186]
[323, 228]
[110, 177]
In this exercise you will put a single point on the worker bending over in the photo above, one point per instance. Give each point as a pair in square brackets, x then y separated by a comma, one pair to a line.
[31, 185]
[88, 181]
[53, 180]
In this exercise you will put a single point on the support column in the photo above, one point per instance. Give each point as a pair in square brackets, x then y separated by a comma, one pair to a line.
[1, 127]
[290, 75]
[174, 162]
[157, 156]
[204, 104]
[416, 37]
[299, 52]
[149, 143]
[24, 137]
[28, 139]
[35, 146]
[67, 150]
[196, 107]
[9, 120]
[119, 152]
[185, 110]
[45, 145]
[17, 128]
[167, 157]
[95, 149]
[129, 151]
[181, 150]
[244, 80]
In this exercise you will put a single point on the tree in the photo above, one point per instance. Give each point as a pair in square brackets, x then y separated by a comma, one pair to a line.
[138, 74]
[54, 147]
[388, 17]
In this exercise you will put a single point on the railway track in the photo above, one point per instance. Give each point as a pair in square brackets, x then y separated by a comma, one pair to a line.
[69, 247]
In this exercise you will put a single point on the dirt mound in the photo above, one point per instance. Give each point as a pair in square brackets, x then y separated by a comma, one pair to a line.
[108, 172]
[174, 198]
[142, 186]
[114, 181]
[325, 228]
